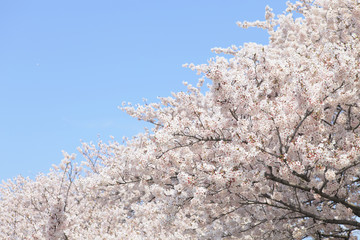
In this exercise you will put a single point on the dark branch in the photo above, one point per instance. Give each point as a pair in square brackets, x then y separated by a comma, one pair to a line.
[355, 209]
[307, 113]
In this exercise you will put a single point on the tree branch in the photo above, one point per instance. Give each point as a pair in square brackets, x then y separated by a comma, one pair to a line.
[355, 209]
[307, 114]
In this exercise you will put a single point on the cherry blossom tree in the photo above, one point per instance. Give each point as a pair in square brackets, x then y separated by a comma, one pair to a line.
[270, 150]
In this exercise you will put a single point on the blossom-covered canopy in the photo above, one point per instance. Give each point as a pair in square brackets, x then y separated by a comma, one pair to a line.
[271, 150]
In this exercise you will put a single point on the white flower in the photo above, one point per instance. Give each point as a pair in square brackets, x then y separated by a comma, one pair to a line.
[330, 175]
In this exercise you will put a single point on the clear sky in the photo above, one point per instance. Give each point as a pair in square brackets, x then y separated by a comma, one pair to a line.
[66, 65]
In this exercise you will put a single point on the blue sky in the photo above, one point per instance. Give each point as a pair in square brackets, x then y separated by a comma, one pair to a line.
[66, 65]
